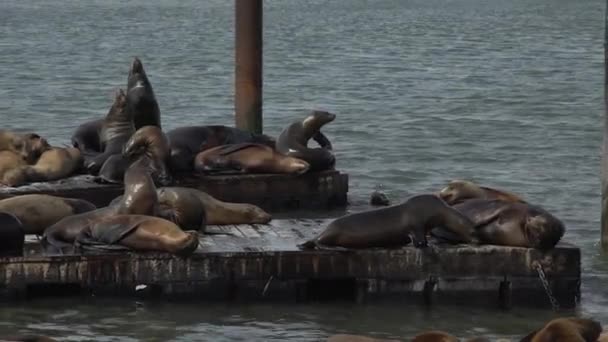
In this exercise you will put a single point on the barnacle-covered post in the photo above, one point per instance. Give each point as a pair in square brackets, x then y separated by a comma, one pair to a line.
[248, 66]
[604, 219]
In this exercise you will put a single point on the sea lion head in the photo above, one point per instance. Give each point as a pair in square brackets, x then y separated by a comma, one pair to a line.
[31, 146]
[189, 245]
[295, 165]
[137, 75]
[151, 142]
[459, 190]
[542, 230]
[316, 119]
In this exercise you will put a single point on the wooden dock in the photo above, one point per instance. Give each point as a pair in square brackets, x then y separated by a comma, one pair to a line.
[272, 192]
[262, 262]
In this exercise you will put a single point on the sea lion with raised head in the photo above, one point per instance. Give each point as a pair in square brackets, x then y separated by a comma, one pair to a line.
[293, 141]
[87, 137]
[248, 158]
[458, 191]
[141, 102]
[136, 232]
[116, 130]
[38, 212]
[516, 224]
[149, 141]
[54, 164]
[187, 142]
[393, 226]
[12, 235]
[566, 329]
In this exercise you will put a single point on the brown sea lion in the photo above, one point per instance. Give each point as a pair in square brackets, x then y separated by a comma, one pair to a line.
[187, 142]
[87, 137]
[141, 102]
[116, 130]
[356, 338]
[137, 232]
[216, 212]
[293, 141]
[516, 224]
[567, 329]
[28, 145]
[12, 169]
[55, 163]
[149, 141]
[248, 158]
[393, 226]
[458, 191]
[12, 235]
[603, 337]
[435, 336]
[38, 212]
[27, 338]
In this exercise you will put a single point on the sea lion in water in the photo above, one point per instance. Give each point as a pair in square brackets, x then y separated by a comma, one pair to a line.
[28, 145]
[116, 130]
[187, 142]
[458, 191]
[55, 163]
[149, 141]
[12, 235]
[141, 102]
[566, 329]
[393, 226]
[293, 141]
[38, 212]
[87, 137]
[27, 338]
[516, 224]
[137, 232]
[216, 212]
[248, 158]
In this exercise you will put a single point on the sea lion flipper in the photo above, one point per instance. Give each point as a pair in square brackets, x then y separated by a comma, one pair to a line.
[322, 140]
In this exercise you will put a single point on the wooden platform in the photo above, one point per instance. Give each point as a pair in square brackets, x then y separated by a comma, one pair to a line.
[262, 262]
[272, 192]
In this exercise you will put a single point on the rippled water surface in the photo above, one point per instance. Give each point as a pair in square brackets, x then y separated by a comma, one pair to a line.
[506, 93]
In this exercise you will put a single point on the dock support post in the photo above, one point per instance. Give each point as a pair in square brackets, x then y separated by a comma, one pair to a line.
[505, 294]
[248, 66]
[604, 218]
[429, 291]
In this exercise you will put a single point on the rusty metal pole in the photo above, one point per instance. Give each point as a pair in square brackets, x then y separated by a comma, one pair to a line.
[604, 218]
[248, 66]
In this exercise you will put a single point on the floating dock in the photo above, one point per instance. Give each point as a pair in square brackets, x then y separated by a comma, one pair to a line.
[262, 262]
[272, 192]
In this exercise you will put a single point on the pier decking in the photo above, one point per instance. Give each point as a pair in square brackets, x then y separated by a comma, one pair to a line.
[322, 190]
[262, 262]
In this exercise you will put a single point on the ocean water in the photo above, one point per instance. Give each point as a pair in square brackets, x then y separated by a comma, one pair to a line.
[505, 93]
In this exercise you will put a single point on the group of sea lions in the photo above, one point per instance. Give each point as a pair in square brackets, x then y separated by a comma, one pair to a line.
[105, 147]
[565, 329]
[462, 212]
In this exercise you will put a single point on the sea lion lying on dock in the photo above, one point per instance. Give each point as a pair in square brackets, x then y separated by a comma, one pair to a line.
[27, 145]
[393, 226]
[458, 191]
[141, 102]
[116, 129]
[187, 142]
[293, 141]
[567, 329]
[516, 224]
[138, 233]
[54, 164]
[12, 169]
[12, 235]
[180, 200]
[248, 158]
[38, 212]
[149, 141]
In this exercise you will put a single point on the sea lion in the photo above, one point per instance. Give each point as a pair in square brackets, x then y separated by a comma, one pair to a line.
[116, 130]
[566, 329]
[458, 191]
[248, 158]
[28, 145]
[435, 336]
[378, 198]
[217, 212]
[141, 102]
[149, 141]
[187, 142]
[293, 141]
[356, 338]
[393, 226]
[38, 212]
[136, 232]
[12, 235]
[516, 224]
[12, 169]
[55, 163]
[87, 137]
